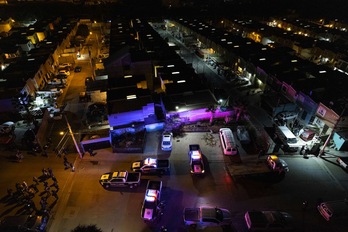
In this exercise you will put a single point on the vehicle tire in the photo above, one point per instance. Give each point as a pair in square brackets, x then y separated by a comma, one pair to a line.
[107, 186]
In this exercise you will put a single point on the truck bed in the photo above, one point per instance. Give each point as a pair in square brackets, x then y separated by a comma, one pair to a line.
[162, 163]
[133, 177]
[153, 184]
[191, 214]
[194, 147]
[248, 166]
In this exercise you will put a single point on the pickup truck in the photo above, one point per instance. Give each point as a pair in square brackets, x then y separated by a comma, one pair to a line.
[151, 166]
[152, 206]
[268, 221]
[272, 165]
[202, 217]
[196, 159]
[120, 179]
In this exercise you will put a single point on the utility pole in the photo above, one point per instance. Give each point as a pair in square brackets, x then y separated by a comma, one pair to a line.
[332, 131]
[73, 137]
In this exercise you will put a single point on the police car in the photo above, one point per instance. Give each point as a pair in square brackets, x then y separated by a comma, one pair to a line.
[277, 164]
[196, 160]
[167, 141]
[152, 206]
[120, 179]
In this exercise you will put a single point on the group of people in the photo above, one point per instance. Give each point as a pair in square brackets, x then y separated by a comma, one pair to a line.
[24, 193]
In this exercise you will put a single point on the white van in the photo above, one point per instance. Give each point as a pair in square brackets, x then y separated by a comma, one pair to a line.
[227, 142]
[287, 138]
[333, 209]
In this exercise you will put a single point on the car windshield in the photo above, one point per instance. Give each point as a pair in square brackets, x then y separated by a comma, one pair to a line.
[166, 142]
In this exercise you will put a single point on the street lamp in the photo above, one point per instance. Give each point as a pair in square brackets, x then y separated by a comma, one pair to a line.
[73, 137]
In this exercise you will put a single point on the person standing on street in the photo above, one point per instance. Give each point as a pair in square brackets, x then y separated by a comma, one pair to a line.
[54, 194]
[50, 172]
[36, 180]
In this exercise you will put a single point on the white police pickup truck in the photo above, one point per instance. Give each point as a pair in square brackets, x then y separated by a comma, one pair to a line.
[151, 166]
[152, 206]
[120, 179]
[203, 217]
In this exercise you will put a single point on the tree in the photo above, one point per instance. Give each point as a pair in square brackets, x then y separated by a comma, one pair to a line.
[89, 228]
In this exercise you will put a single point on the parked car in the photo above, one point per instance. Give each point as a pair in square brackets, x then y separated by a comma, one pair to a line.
[78, 69]
[167, 141]
[282, 117]
[88, 80]
[64, 72]
[203, 217]
[151, 165]
[64, 65]
[268, 221]
[152, 205]
[331, 210]
[243, 135]
[120, 179]
[307, 135]
[277, 164]
[196, 159]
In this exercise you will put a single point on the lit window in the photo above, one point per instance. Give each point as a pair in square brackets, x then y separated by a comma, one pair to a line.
[131, 97]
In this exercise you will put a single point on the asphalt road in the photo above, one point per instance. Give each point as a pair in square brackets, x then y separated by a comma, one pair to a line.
[83, 201]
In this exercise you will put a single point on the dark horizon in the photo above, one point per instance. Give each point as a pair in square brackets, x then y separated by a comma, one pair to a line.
[335, 9]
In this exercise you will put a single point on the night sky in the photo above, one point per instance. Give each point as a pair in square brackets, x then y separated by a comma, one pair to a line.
[216, 8]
